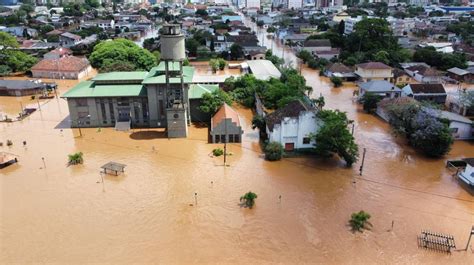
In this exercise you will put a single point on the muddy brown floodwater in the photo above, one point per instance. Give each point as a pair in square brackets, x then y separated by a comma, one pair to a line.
[54, 214]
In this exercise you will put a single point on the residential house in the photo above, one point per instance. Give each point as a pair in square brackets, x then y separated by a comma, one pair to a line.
[340, 70]
[424, 74]
[461, 75]
[68, 39]
[379, 87]
[57, 53]
[66, 67]
[292, 125]
[400, 77]
[461, 127]
[103, 24]
[426, 92]
[374, 71]
[321, 48]
[20, 31]
[467, 175]
[225, 126]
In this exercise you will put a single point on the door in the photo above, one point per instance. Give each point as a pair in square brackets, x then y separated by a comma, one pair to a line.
[289, 146]
[124, 114]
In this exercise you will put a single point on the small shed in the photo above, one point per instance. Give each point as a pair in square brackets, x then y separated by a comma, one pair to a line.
[225, 126]
[113, 167]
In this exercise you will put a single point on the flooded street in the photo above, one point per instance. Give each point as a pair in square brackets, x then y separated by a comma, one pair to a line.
[54, 214]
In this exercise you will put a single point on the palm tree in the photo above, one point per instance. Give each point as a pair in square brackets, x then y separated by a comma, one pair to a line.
[75, 158]
[360, 221]
[249, 199]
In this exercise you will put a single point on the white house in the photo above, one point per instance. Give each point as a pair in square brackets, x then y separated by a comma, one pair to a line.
[292, 125]
[374, 71]
[467, 176]
[424, 74]
[460, 126]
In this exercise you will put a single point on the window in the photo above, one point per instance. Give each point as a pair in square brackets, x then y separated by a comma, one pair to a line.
[223, 138]
[236, 138]
[453, 130]
[112, 112]
[306, 140]
[231, 138]
[218, 139]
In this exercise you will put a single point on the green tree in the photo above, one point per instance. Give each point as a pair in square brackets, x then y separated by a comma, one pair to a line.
[305, 56]
[249, 199]
[122, 50]
[271, 29]
[273, 151]
[222, 63]
[201, 13]
[258, 121]
[8, 41]
[214, 64]
[334, 136]
[113, 66]
[370, 101]
[359, 221]
[157, 55]
[192, 46]
[211, 102]
[236, 51]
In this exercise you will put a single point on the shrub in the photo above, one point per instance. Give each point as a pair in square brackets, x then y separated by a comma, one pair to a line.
[337, 81]
[249, 199]
[75, 158]
[9, 143]
[217, 152]
[273, 151]
[359, 221]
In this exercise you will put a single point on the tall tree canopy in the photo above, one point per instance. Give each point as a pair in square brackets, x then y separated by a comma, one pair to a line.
[12, 60]
[125, 51]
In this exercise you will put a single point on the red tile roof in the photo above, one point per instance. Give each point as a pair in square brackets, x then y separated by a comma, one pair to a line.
[225, 112]
[64, 64]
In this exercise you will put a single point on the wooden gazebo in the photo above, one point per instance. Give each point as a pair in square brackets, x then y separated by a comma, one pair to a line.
[113, 167]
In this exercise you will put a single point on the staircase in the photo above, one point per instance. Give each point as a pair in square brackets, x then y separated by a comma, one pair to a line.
[123, 126]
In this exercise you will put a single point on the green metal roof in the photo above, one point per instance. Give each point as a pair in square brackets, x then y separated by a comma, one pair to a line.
[87, 89]
[120, 76]
[197, 90]
[154, 77]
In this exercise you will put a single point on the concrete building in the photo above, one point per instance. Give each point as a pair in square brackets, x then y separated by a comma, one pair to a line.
[349, 24]
[252, 4]
[292, 125]
[295, 4]
[374, 71]
[225, 126]
[424, 74]
[158, 98]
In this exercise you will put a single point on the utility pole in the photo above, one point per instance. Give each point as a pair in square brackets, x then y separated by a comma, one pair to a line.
[363, 160]
[225, 142]
[469, 240]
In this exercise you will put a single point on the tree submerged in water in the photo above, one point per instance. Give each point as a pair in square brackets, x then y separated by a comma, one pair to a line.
[360, 221]
[248, 199]
[75, 158]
